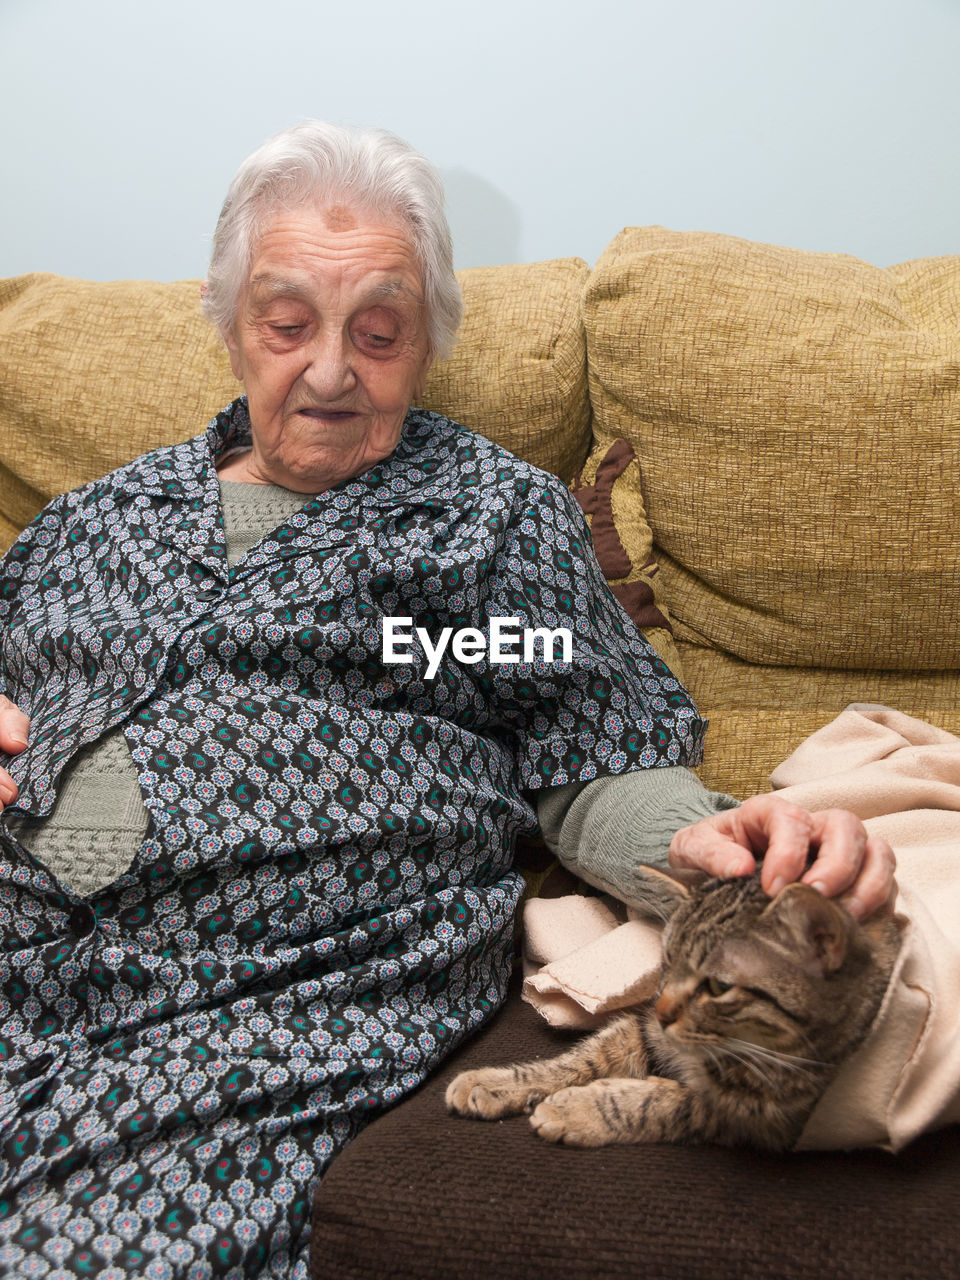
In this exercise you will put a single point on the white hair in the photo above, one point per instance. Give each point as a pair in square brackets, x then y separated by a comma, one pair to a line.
[368, 169]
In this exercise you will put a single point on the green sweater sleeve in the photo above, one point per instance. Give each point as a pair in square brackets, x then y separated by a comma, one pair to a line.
[604, 829]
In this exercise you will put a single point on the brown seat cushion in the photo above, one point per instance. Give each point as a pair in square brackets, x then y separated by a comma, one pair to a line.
[423, 1195]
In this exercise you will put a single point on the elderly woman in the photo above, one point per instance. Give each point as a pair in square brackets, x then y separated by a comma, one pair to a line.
[300, 891]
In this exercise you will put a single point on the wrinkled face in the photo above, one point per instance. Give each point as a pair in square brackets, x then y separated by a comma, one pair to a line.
[330, 342]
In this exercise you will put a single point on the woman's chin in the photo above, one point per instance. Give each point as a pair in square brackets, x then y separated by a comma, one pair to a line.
[317, 469]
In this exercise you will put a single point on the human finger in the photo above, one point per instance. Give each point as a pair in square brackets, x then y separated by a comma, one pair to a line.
[14, 727]
[840, 841]
[782, 832]
[705, 847]
[8, 789]
[875, 885]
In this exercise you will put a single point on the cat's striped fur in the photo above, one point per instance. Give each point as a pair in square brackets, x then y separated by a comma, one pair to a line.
[760, 1001]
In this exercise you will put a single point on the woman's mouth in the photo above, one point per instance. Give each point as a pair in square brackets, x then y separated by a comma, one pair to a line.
[327, 415]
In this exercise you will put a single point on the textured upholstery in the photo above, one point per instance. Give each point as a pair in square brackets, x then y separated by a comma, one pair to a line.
[796, 424]
[422, 1195]
[797, 421]
[92, 375]
[518, 373]
[759, 713]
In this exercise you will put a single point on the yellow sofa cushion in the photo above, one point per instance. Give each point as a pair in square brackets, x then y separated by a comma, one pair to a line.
[797, 421]
[92, 375]
[518, 373]
[759, 714]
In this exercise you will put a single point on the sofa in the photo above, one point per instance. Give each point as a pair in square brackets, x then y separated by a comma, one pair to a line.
[766, 443]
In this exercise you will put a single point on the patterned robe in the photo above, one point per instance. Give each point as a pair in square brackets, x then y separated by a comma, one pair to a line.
[323, 905]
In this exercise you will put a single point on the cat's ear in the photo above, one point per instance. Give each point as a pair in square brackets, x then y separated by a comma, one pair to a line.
[815, 928]
[659, 891]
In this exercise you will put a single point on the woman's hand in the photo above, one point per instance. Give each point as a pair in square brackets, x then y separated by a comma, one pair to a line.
[848, 863]
[13, 738]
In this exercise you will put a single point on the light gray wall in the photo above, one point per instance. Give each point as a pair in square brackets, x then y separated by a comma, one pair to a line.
[824, 124]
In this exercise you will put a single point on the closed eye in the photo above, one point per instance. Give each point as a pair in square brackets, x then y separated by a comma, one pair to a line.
[376, 330]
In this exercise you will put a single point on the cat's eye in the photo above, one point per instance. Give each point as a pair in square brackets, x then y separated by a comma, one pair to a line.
[716, 987]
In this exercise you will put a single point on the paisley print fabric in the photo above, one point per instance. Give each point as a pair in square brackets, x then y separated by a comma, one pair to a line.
[323, 903]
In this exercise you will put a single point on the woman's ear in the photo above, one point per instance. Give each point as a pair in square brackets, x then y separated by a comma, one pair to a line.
[233, 351]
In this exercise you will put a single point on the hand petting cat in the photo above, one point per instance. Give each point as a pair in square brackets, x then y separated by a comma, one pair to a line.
[849, 864]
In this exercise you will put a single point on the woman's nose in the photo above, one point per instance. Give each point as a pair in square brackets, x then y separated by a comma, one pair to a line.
[329, 373]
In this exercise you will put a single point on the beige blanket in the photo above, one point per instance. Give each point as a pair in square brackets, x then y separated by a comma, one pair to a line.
[902, 777]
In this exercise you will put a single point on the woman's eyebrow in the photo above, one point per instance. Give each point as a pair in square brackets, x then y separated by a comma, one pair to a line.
[268, 286]
[390, 290]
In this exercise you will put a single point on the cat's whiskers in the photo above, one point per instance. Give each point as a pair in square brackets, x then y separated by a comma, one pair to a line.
[706, 1080]
[779, 1057]
[717, 1055]
[745, 1060]
[702, 1045]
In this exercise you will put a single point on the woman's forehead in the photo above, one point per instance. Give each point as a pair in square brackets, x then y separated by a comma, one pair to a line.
[340, 217]
[301, 251]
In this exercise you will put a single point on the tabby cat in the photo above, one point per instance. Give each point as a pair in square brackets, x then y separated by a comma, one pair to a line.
[760, 1002]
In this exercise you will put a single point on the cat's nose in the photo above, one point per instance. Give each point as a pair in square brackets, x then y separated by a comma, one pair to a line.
[667, 1008]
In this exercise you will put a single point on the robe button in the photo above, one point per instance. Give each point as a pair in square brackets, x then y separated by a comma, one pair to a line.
[38, 1066]
[82, 920]
[207, 596]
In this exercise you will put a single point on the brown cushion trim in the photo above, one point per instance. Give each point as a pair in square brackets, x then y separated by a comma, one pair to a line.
[637, 599]
[596, 500]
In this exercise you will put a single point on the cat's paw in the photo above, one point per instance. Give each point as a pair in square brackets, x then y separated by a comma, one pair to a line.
[489, 1093]
[611, 1110]
[574, 1116]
